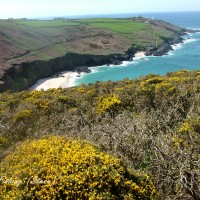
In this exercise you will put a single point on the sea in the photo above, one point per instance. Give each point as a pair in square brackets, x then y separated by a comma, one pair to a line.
[183, 56]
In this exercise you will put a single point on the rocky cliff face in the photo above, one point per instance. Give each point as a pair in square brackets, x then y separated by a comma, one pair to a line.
[21, 76]
[164, 48]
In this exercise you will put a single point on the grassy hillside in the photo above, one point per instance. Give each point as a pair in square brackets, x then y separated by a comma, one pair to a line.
[27, 40]
[151, 123]
[47, 23]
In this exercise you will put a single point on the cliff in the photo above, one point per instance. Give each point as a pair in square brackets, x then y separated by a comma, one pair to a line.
[21, 76]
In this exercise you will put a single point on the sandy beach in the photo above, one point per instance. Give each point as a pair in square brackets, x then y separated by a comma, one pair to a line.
[64, 80]
[139, 54]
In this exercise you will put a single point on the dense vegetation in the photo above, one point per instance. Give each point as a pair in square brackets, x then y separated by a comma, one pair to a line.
[57, 168]
[151, 123]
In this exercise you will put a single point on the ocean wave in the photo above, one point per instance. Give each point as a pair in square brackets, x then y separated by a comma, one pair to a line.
[94, 69]
[146, 58]
[97, 69]
[101, 68]
[177, 46]
[133, 62]
[187, 40]
[136, 58]
[181, 45]
[72, 80]
[125, 63]
[170, 53]
[193, 28]
[139, 58]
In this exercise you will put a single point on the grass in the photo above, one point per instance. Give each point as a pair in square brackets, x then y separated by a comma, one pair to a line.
[42, 55]
[103, 20]
[121, 27]
[60, 48]
[126, 28]
[116, 25]
[29, 43]
[47, 23]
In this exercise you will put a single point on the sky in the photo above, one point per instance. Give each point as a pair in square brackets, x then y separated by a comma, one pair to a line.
[58, 8]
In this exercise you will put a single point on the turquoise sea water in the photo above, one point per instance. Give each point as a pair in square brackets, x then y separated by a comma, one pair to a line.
[184, 56]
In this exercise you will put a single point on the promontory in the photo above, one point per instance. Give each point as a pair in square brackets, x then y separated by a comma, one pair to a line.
[34, 49]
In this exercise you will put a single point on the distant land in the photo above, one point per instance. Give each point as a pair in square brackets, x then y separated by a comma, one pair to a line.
[34, 49]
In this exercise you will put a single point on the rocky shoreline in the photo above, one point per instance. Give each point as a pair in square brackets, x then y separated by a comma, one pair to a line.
[22, 76]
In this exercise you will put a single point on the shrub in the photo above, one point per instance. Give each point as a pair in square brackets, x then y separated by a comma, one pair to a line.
[59, 168]
[165, 87]
[23, 115]
[108, 104]
[3, 141]
[191, 125]
[149, 84]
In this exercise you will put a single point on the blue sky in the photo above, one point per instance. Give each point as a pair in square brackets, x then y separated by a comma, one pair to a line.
[45, 8]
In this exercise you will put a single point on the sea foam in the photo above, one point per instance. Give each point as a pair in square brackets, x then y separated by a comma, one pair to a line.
[189, 40]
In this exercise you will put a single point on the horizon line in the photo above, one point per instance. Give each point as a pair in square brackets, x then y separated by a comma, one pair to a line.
[99, 14]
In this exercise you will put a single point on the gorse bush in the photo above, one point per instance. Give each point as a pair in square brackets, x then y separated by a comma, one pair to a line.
[108, 104]
[152, 123]
[59, 168]
[150, 83]
[23, 115]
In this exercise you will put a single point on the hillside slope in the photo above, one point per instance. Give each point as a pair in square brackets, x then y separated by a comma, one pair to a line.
[34, 44]
[152, 123]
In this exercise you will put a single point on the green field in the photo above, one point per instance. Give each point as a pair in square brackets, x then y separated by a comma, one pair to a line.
[47, 23]
[103, 20]
[116, 25]
[121, 27]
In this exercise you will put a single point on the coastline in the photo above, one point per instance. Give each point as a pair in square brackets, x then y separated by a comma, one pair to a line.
[66, 79]
[86, 61]
[141, 56]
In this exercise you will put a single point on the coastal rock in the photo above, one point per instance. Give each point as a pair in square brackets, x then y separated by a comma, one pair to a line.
[117, 62]
[83, 69]
[163, 48]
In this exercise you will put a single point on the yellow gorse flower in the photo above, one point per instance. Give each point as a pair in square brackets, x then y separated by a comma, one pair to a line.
[59, 168]
[109, 103]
